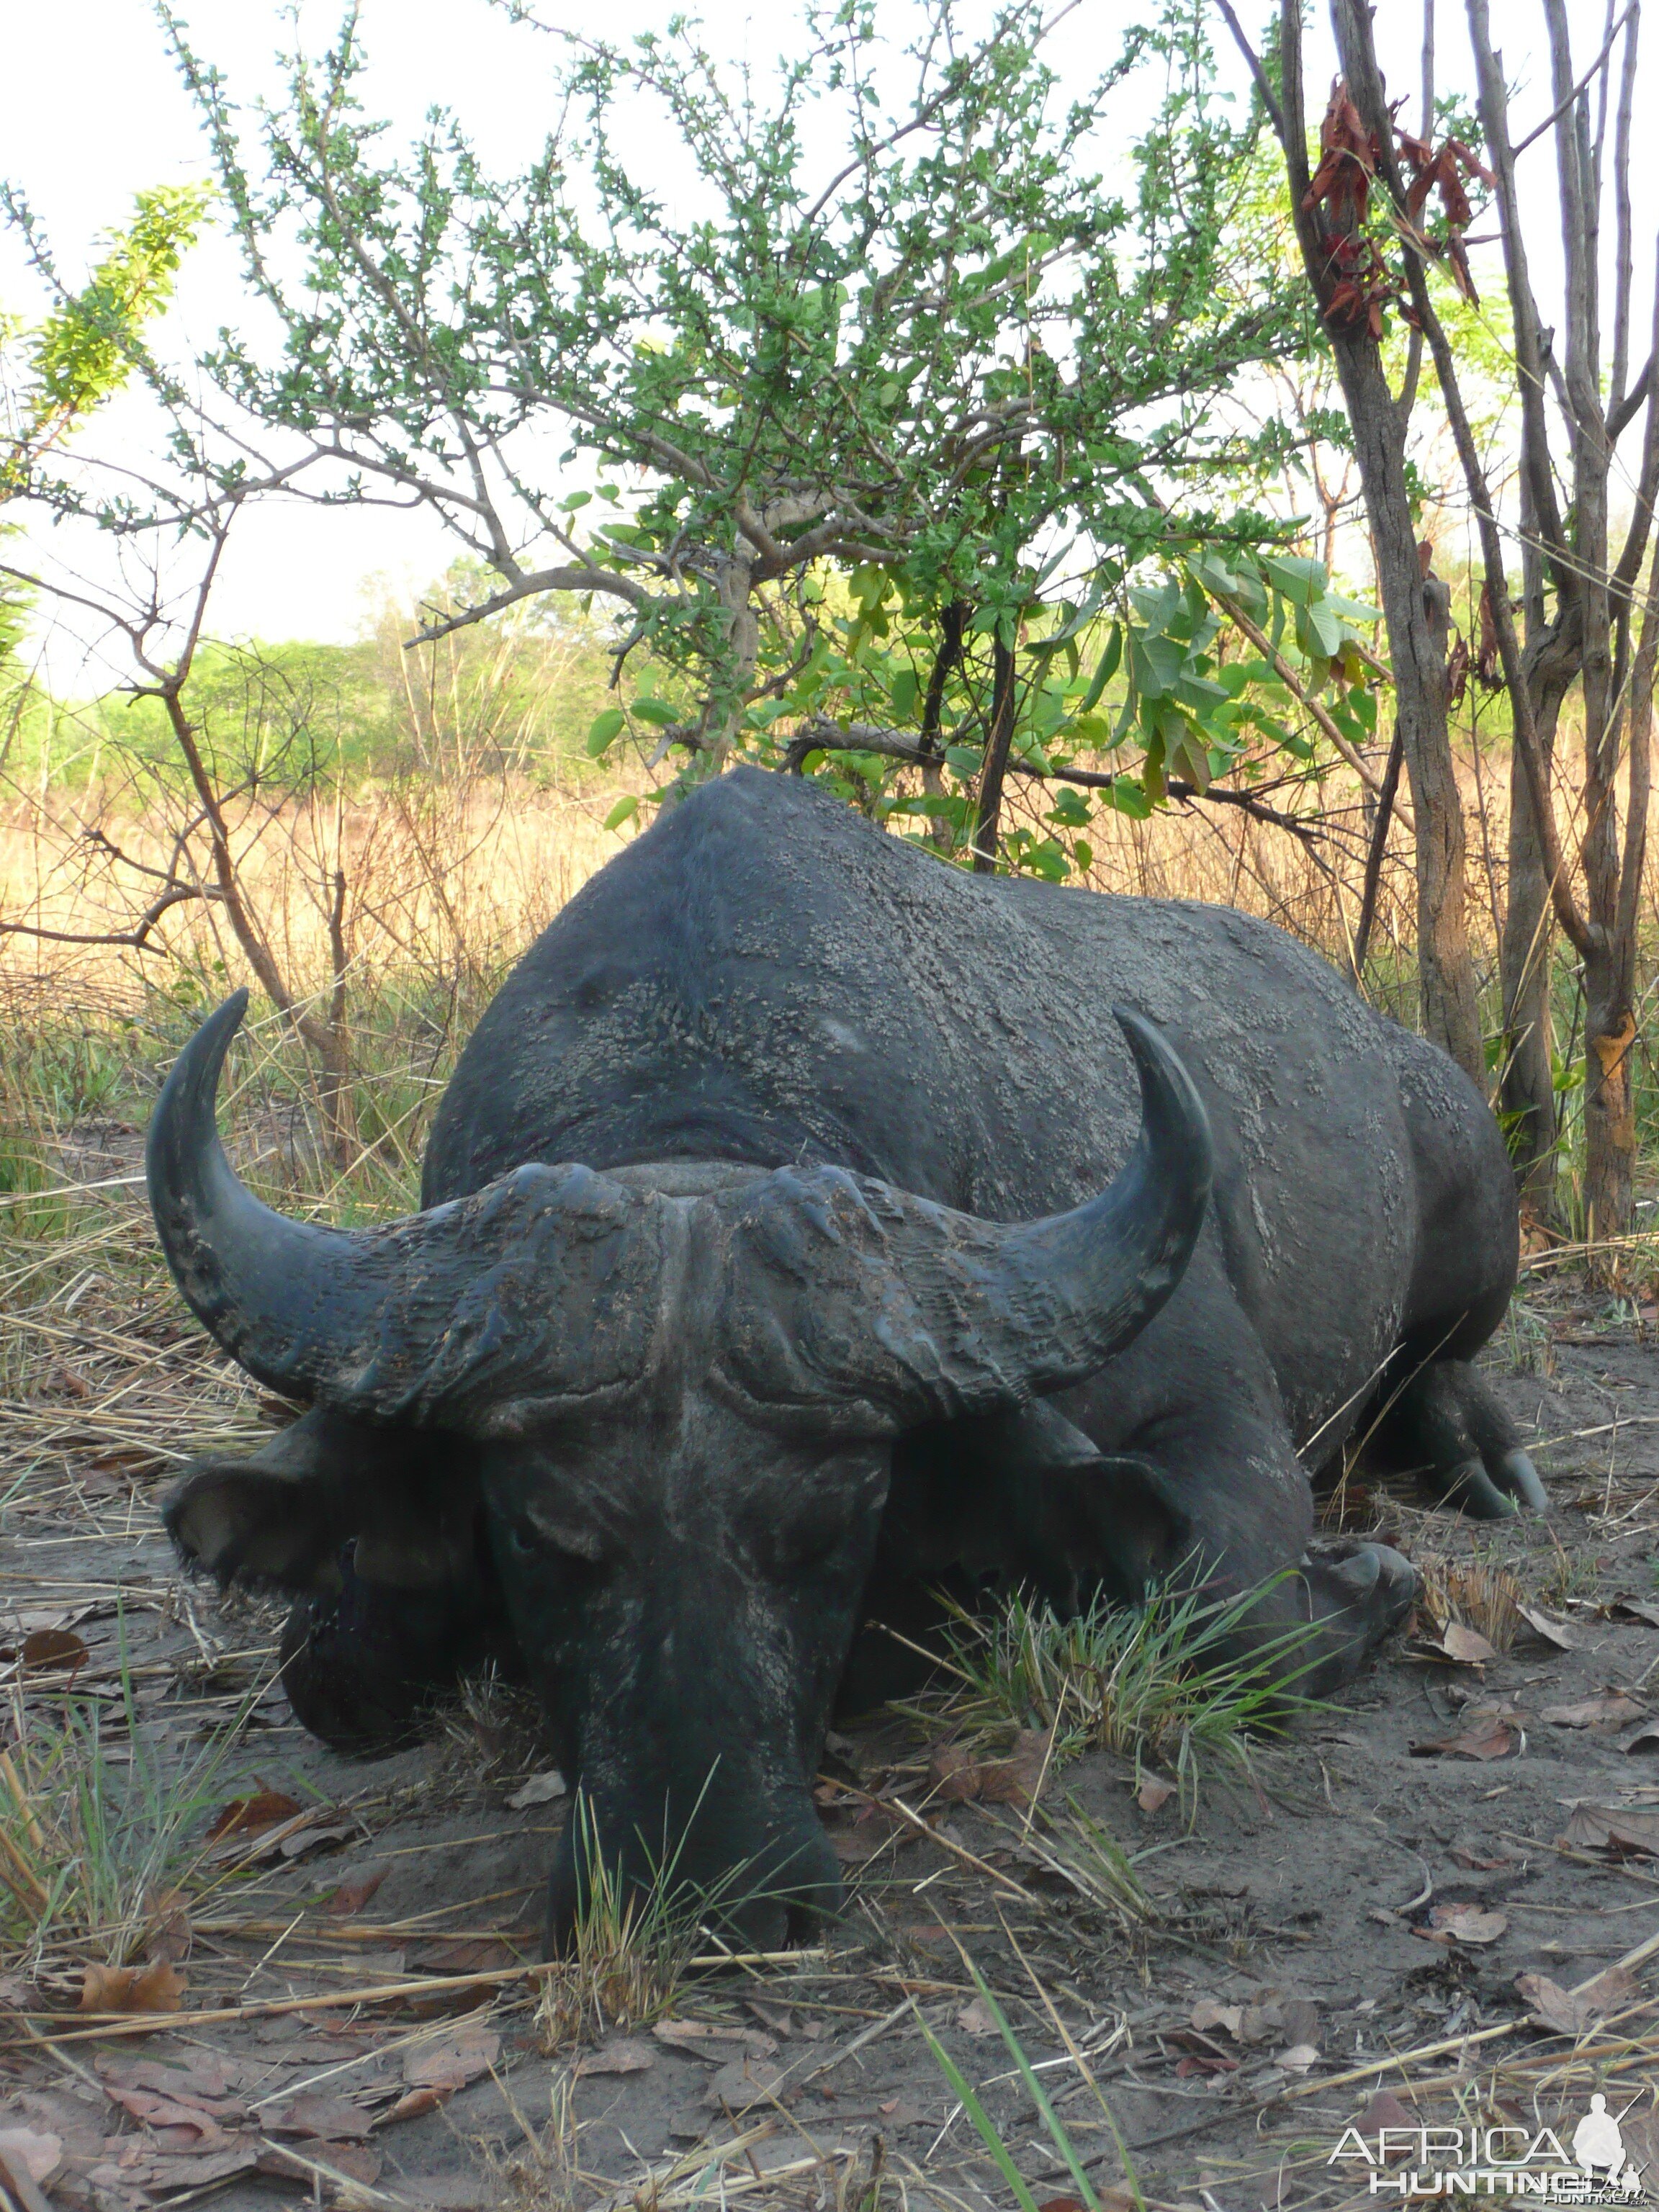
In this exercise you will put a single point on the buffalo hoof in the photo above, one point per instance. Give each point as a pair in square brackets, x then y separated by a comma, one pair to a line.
[1382, 1582]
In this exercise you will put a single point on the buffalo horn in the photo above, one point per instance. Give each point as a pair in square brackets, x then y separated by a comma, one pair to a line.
[281, 1297]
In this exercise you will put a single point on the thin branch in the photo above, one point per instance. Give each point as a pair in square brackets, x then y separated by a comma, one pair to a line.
[1556, 113]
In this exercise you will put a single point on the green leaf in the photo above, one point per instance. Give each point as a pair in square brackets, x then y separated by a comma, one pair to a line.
[656, 711]
[1104, 673]
[603, 729]
[1034, 2089]
[963, 2090]
[624, 810]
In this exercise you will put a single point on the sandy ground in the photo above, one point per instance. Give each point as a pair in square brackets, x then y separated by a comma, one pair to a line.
[1365, 1896]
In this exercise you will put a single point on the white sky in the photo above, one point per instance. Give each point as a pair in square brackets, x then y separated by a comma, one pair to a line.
[96, 112]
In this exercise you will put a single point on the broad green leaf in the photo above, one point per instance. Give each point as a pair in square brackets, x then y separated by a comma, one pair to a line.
[656, 711]
[603, 729]
[624, 810]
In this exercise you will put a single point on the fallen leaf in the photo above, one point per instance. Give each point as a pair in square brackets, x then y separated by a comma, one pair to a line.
[1463, 1923]
[351, 1896]
[974, 2018]
[956, 1777]
[168, 1937]
[1474, 1865]
[331, 2119]
[31, 2151]
[777, 2017]
[1061, 2204]
[1621, 1831]
[699, 2037]
[1488, 1739]
[1463, 1646]
[180, 2123]
[246, 1816]
[1646, 1738]
[1385, 2110]
[742, 2083]
[1608, 1708]
[1569, 2012]
[1547, 1631]
[475, 1955]
[451, 2061]
[357, 2161]
[53, 1651]
[540, 1790]
[1196, 2064]
[1275, 2018]
[1207, 2014]
[629, 2054]
[159, 1988]
[1643, 1609]
[1153, 1795]
[1298, 2060]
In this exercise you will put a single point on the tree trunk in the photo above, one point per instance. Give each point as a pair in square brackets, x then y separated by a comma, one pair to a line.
[953, 621]
[1450, 1014]
[996, 759]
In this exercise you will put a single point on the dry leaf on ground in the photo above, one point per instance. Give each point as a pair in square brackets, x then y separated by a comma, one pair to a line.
[1463, 1923]
[628, 2054]
[1153, 1795]
[1607, 1709]
[974, 2018]
[956, 1777]
[1464, 1647]
[246, 1816]
[1621, 1831]
[1569, 2012]
[539, 1790]
[742, 2083]
[158, 1988]
[711, 2039]
[1386, 2111]
[329, 2119]
[1547, 1631]
[1207, 2014]
[450, 2061]
[1493, 1738]
[351, 1896]
[1472, 1863]
[1644, 1609]
[36, 2152]
[1645, 1739]
[357, 2161]
[53, 1651]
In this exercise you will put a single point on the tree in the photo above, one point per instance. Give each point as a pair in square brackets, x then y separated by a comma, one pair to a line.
[1579, 603]
[881, 438]
[56, 372]
[1349, 275]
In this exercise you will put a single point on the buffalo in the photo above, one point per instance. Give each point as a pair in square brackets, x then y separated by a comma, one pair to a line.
[810, 1227]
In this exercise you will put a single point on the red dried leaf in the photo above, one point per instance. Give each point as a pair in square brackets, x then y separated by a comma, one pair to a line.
[246, 1816]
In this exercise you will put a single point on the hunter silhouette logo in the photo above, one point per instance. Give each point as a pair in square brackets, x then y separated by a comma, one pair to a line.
[1510, 2162]
[1600, 2150]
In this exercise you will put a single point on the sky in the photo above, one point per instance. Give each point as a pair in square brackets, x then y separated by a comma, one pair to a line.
[96, 113]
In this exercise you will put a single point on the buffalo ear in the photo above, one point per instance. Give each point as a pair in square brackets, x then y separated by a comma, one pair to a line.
[284, 1515]
[246, 1523]
[1127, 1527]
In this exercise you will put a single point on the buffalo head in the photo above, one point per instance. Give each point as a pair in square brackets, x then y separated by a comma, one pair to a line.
[657, 1407]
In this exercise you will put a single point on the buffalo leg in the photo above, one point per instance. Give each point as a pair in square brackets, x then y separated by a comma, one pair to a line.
[364, 1666]
[1216, 1457]
[1449, 1428]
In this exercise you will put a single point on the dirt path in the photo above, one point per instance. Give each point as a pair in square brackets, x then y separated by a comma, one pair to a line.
[1363, 1896]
